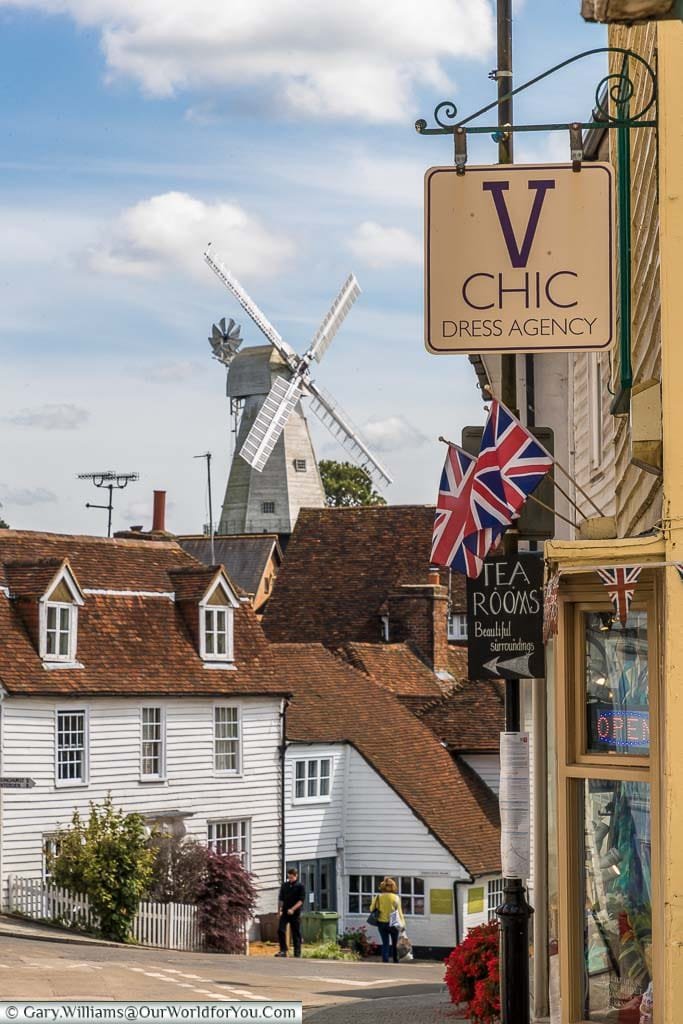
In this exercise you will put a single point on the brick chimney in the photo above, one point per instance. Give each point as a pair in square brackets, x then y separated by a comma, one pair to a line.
[418, 615]
[159, 513]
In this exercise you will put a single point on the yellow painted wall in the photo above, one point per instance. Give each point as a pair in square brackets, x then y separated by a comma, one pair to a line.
[639, 494]
[670, 47]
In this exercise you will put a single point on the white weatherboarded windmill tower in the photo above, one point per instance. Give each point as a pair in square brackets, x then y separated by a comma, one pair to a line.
[277, 473]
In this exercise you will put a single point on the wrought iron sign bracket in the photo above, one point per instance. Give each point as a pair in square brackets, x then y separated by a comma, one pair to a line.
[616, 87]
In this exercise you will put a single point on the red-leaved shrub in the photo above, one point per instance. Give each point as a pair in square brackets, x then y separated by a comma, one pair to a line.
[225, 903]
[472, 974]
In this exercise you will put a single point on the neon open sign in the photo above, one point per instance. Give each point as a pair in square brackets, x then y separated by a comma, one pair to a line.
[623, 728]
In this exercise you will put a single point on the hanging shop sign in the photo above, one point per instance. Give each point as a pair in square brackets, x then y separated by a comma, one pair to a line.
[519, 258]
[505, 619]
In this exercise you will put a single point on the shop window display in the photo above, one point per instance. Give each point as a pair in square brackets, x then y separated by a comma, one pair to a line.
[617, 700]
[617, 931]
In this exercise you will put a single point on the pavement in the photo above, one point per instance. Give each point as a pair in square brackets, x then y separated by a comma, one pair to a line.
[38, 962]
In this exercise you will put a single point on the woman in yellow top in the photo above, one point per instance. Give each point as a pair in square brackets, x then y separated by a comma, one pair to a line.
[390, 917]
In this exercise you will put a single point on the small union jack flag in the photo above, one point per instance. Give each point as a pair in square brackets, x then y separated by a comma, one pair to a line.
[451, 515]
[621, 585]
[510, 465]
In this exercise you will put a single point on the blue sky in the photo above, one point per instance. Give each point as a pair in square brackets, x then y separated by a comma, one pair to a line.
[135, 131]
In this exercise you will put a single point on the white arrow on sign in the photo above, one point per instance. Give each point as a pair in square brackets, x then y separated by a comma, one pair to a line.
[514, 667]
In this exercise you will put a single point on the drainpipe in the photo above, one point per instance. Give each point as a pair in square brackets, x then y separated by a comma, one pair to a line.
[283, 750]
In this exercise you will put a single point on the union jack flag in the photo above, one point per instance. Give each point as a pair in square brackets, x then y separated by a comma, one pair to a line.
[510, 465]
[621, 585]
[451, 516]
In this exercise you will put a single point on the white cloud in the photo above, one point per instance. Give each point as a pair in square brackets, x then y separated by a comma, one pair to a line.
[378, 246]
[387, 435]
[50, 417]
[357, 59]
[173, 229]
[26, 495]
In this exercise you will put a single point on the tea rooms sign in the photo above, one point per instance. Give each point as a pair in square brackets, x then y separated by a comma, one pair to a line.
[519, 258]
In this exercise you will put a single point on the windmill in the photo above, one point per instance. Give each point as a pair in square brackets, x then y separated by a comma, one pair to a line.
[276, 473]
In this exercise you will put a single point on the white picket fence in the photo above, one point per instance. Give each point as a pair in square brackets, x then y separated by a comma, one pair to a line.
[168, 925]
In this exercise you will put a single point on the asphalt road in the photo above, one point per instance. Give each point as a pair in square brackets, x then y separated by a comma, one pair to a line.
[347, 992]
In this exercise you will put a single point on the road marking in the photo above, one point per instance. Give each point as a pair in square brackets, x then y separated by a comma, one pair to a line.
[181, 974]
[345, 981]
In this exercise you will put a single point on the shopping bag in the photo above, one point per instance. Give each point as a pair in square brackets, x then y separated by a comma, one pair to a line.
[404, 947]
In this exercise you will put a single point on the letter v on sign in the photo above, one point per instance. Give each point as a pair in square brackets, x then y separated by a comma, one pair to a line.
[518, 257]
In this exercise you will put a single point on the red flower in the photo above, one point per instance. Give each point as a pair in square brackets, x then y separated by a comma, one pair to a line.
[472, 975]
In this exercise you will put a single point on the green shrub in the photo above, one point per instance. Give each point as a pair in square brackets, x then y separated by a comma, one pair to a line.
[328, 951]
[358, 941]
[107, 860]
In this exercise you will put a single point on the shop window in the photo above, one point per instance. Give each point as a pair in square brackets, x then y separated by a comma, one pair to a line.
[607, 736]
[617, 945]
[616, 685]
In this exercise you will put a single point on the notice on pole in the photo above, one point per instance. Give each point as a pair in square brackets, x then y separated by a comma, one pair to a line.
[505, 619]
[519, 258]
[515, 845]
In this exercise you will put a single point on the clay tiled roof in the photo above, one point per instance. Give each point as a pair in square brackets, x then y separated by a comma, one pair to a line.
[129, 643]
[96, 563]
[31, 579]
[395, 667]
[470, 719]
[340, 565]
[192, 582]
[244, 556]
[333, 703]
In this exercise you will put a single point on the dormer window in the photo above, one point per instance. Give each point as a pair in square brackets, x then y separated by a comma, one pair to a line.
[216, 632]
[58, 632]
[216, 613]
[59, 620]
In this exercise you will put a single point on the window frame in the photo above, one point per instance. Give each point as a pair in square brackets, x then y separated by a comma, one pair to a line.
[459, 636]
[85, 778]
[227, 772]
[575, 765]
[316, 798]
[206, 606]
[267, 508]
[495, 890]
[245, 837]
[161, 775]
[362, 893]
[45, 606]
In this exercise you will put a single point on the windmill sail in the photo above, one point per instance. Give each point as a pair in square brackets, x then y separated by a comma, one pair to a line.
[252, 310]
[339, 310]
[340, 426]
[270, 422]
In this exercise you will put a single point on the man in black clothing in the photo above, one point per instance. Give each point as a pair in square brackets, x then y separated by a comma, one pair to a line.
[290, 902]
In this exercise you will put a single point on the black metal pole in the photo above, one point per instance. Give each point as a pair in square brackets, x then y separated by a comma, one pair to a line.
[514, 913]
[208, 473]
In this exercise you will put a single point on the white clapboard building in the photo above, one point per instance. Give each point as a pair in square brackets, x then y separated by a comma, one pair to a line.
[371, 791]
[127, 668]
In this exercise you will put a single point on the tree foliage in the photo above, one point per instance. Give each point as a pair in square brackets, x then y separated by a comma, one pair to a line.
[226, 903]
[179, 871]
[347, 485]
[107, 859]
